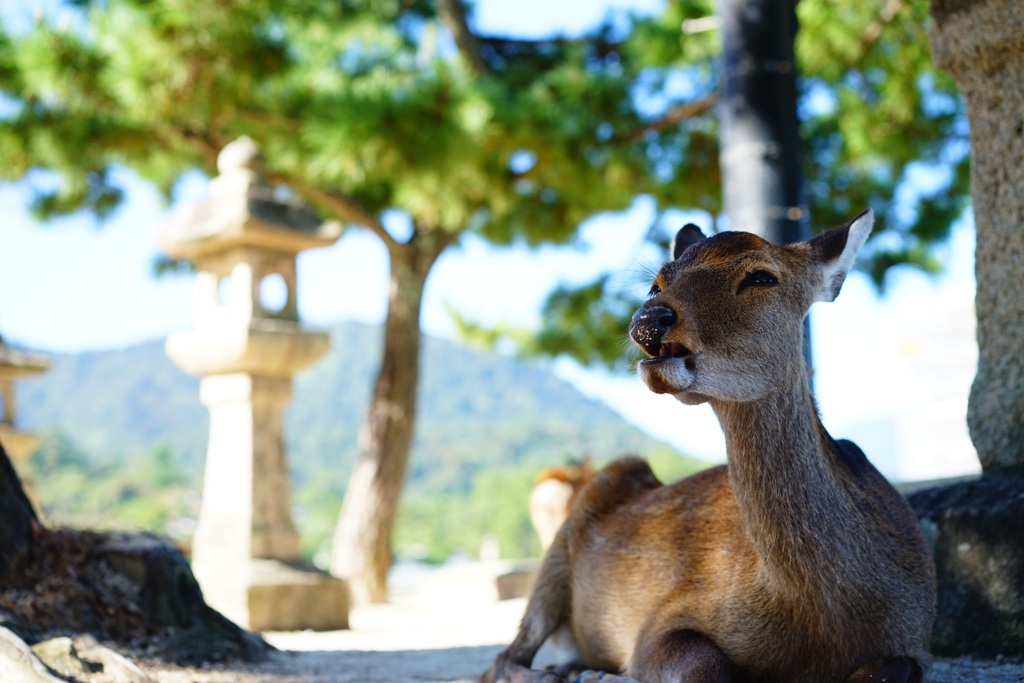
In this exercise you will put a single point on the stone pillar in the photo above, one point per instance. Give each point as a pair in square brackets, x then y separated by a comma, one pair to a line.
[977, 528]
[246, 348]
[981, 44]
[252, 517]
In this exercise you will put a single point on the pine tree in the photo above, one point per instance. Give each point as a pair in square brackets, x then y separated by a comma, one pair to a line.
[399, 108]
[364, 109]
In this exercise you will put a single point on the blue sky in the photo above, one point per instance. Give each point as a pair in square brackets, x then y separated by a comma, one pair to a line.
[74, 285]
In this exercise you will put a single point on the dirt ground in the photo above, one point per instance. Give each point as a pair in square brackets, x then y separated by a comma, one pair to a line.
[449, 630]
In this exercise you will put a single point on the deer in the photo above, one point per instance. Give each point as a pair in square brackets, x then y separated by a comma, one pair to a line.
[794, 562]
[552, 494]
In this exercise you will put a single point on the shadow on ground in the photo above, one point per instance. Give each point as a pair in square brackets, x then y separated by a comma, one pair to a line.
[464, 664]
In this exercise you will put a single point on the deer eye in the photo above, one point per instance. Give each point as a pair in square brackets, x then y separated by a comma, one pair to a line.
[655, 290]
[758, 278]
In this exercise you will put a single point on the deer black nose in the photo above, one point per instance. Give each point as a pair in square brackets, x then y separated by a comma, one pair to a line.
[649, 326]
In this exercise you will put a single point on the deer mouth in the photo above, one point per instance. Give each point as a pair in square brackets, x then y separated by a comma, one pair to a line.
[669, 350]
[670, 369]
[648, 329]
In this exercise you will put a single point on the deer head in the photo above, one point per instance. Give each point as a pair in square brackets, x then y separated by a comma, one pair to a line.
[724, 318]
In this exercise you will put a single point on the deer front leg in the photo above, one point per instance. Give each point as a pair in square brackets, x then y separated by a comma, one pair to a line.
[891, 670]
[507, 668]
[683, 656]
[680, 656]
[546, 610]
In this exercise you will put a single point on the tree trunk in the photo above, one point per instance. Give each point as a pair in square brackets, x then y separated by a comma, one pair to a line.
[760, 152]
[762, 175]
[19, 525]
[981, 45]
[361, 551]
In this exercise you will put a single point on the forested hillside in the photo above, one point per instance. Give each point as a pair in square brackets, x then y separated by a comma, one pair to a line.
[125, 440]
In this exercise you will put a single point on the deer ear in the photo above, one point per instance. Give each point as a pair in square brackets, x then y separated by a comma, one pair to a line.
[835, 252]
[687, 235]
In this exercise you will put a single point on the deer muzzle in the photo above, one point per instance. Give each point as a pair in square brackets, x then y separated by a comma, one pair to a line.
[649, 326]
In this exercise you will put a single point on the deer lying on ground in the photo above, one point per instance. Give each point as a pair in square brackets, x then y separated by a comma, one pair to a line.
[794, 563]
[552, 494]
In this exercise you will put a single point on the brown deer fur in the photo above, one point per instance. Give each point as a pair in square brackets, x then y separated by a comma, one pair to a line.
[794, 563]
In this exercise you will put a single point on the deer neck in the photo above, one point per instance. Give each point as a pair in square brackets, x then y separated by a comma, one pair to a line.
[782, 471]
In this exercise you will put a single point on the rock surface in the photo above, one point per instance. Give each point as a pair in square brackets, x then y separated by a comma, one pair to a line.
[976, 529]
[18, 664]
[135, 590]
[83, 657]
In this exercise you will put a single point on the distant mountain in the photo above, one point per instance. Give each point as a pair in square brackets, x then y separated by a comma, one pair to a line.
[477, 412]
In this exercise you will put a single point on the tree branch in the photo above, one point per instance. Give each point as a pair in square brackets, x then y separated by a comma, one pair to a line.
[431, 241]
[453, 14]
[273, 121]
[874, 31]
[511, 47]
[207, 148]
[676, 115]
[340, 205]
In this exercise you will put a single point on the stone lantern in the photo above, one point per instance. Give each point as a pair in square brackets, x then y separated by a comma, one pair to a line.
[246, 346]
[15, 364]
